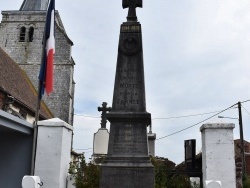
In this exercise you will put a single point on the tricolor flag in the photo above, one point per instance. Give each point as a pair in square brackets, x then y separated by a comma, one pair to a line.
[47, 68]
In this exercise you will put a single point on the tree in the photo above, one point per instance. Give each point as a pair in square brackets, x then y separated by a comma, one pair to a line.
[246, 182]
[166, 178]
[87, 175]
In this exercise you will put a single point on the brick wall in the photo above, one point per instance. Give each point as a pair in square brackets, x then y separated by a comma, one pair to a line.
[28, 56]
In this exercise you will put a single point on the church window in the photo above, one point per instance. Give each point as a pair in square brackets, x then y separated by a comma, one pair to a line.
[22, 34]
[31, 33]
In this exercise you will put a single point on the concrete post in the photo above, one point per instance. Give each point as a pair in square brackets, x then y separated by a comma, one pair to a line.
[53, 152]
[218, 163]
[151, 143]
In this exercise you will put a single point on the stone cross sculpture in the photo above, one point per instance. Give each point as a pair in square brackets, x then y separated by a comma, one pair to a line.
[104, 109]
[132, 5]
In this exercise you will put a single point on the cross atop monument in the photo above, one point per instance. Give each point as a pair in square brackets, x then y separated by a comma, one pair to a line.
[104, 109]
[132, 5]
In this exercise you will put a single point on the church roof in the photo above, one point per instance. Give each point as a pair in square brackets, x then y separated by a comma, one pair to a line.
[34, 5]
[15, 82]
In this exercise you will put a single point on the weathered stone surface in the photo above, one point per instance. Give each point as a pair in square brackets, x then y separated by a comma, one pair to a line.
[129, 91]
[128, 164]
[129, 177]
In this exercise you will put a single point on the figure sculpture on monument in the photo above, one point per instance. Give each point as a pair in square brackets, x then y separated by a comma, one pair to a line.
[128, 164]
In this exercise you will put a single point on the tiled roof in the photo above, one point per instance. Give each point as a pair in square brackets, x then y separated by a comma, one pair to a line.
[34, 5]
[15, 82]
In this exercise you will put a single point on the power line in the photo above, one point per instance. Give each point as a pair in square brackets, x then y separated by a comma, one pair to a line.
[245, 110]
[197, 123]
[246, 101]
[159, 118]
[84, 149]
[87, 116]
[176, 117]
[185, 116]
[173, 117]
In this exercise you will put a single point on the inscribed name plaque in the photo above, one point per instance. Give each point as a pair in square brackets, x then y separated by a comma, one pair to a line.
[128, 141]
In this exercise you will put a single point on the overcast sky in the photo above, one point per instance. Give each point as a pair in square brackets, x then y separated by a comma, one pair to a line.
[196, 59]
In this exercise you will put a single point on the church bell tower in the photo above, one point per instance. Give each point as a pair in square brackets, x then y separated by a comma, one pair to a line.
[21, 34]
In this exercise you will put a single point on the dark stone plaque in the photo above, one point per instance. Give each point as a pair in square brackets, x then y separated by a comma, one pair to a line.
[127, 140]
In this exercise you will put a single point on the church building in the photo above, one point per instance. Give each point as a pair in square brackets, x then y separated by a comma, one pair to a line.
[21, 35]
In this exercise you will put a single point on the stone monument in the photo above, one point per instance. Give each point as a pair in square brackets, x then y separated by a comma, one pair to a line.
[128, 164]
[101, 137]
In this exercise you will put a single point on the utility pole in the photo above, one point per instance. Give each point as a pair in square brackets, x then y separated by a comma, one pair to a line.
[242, 141]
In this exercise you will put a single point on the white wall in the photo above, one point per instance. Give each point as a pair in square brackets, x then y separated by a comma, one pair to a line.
[70, 181]
[53, 152]
[218, 162]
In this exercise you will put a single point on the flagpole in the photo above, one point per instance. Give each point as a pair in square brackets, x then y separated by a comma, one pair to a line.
[35, 132]
[38, 105]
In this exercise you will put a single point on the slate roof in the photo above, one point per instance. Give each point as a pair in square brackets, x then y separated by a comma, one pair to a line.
[34, 5]
[15, 82]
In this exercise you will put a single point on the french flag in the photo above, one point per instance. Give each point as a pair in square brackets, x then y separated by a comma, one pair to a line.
[46, 75]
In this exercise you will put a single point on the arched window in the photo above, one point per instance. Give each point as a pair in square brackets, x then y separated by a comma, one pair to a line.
[22, 34]
[31, 33]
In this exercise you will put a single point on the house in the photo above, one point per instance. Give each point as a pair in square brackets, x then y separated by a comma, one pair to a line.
[76, 158]
[17, 94]
[238, 161]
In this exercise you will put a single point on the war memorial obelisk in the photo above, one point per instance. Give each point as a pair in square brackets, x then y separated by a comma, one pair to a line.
[128, 164]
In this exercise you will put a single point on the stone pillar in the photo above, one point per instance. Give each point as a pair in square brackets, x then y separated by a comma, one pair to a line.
[53, 152]
[218, 164]
[151, 143]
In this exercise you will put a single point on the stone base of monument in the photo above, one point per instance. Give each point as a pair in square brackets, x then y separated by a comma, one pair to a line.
[134, 176]
[128, 164]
